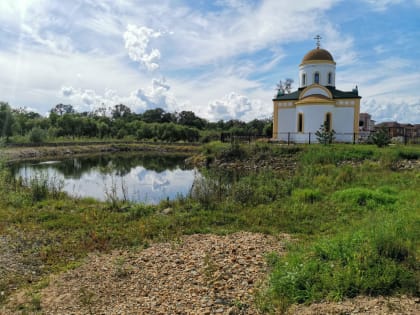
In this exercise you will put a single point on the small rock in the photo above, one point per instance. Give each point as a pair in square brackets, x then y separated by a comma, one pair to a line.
[167, 211]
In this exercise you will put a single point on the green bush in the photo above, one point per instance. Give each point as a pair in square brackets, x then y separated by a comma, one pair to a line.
[364, 197]
[37, 135]
[324, 135]
[408, 154]
[380, 138]
[234, 152]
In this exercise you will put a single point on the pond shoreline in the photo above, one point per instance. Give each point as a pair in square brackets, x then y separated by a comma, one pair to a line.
[22, 153]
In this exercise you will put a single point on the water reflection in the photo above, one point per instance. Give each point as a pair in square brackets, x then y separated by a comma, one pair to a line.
[148, 179]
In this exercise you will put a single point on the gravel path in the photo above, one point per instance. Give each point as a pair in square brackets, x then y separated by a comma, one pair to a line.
[200, 274]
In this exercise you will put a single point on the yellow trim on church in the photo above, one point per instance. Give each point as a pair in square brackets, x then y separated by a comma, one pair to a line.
[309, 100]
[275, 120]
[356, 116]
[317, 62]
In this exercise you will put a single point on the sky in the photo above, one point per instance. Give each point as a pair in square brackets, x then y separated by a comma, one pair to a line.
[220, 59]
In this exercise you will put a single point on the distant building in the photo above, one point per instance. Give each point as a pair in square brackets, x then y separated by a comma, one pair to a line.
[366, 123]
[298, 115]
[396, 129]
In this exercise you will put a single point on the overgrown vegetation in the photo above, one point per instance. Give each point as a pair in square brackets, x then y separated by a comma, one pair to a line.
[354, 214]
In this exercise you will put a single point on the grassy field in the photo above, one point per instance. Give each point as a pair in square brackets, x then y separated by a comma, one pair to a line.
[354, 211]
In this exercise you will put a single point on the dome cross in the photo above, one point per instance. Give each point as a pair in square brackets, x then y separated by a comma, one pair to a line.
[318, 40]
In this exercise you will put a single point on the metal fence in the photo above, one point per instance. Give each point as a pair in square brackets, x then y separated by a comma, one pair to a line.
[311, 138]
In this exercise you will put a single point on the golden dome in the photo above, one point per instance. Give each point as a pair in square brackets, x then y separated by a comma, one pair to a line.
[318, 54]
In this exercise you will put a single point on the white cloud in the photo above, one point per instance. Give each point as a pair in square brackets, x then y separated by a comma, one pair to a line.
[137, 43]
[403, 111]
[382, 5]
[236, 106]
[156, 95]
[341, 46]
[212, 38]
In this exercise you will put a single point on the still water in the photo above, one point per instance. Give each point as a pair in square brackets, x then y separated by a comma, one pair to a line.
[148, 179]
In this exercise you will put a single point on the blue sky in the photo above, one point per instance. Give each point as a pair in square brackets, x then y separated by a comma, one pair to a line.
[221, 59]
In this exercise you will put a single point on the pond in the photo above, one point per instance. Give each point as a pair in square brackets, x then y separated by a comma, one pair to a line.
[147, 178]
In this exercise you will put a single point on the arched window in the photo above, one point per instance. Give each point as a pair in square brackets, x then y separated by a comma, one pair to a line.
[316, 77]
[328, 122]
[300, 123]
[304, 79]
[329, 78]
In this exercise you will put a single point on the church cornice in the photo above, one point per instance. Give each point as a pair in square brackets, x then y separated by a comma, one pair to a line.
[314, 87]
[315, 99]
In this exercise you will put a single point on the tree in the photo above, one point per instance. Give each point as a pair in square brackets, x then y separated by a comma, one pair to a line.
[268, 129]
[121, 111]
[153, 115]
[381, 138]
[6, 121]
[61, 109]
[284, 87]
[25, 120]
[325, 135]
[188, 118]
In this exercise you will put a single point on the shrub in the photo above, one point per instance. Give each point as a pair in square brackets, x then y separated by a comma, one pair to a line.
[324, 135]
[408, 154]
[364, 197]
[234, 152]
[381, 138]
[37, 135]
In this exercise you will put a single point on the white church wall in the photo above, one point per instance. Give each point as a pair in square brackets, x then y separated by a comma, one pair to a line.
[286, 122]
[343, 123]
[314, 116]
[322, 69]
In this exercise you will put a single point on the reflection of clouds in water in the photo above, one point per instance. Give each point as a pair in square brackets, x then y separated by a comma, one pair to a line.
[139, 172]
[88, 185]
[142, 185]
[152, 186]
[160, 182]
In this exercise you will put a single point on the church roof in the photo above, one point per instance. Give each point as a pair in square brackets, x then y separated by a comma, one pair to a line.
[335, 93]
[318, 54]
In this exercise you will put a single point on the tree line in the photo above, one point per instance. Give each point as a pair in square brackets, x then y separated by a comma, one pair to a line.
[118, 122]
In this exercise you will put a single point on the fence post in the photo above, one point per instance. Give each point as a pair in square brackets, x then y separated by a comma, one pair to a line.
[309, 138]
[288, 138]
[354, 138]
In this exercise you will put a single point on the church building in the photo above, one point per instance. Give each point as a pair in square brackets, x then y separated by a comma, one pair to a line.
[299, 114]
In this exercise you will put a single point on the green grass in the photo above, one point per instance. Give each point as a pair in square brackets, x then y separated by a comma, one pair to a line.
[355, 216]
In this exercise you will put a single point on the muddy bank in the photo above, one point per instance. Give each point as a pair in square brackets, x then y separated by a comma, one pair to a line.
[12, 154]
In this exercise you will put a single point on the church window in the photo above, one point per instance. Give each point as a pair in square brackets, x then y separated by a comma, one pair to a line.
[300, 123]
[304, 79]
[328, 122]
[329, 78]
[316, 77]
